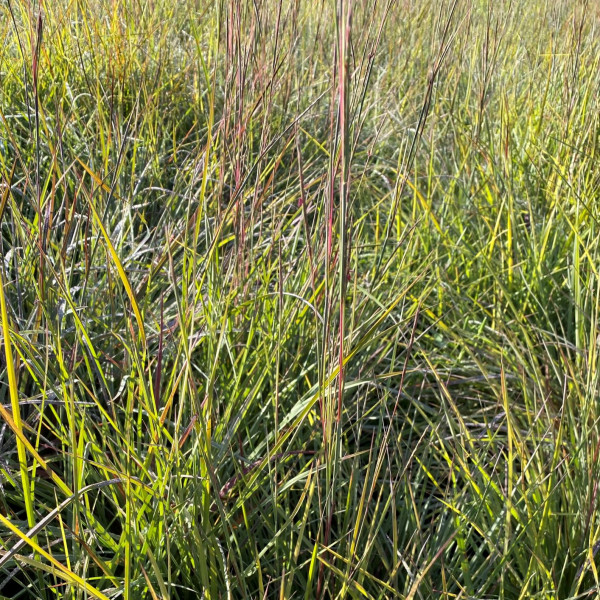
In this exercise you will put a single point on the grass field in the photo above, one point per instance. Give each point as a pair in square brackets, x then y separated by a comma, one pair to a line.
[300, 299]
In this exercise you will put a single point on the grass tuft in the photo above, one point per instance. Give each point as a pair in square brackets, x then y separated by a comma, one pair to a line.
[299, 299]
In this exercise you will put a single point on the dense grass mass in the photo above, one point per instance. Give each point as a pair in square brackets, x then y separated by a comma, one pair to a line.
[299, 299]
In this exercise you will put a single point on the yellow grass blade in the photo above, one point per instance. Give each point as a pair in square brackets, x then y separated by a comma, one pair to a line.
[115, 257]
[14, 402]
[61, 570]
[14, 420]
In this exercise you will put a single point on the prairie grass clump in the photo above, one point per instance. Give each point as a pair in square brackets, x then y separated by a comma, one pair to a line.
[299, 299]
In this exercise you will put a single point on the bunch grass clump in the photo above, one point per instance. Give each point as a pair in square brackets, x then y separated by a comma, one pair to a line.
[299, 299]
